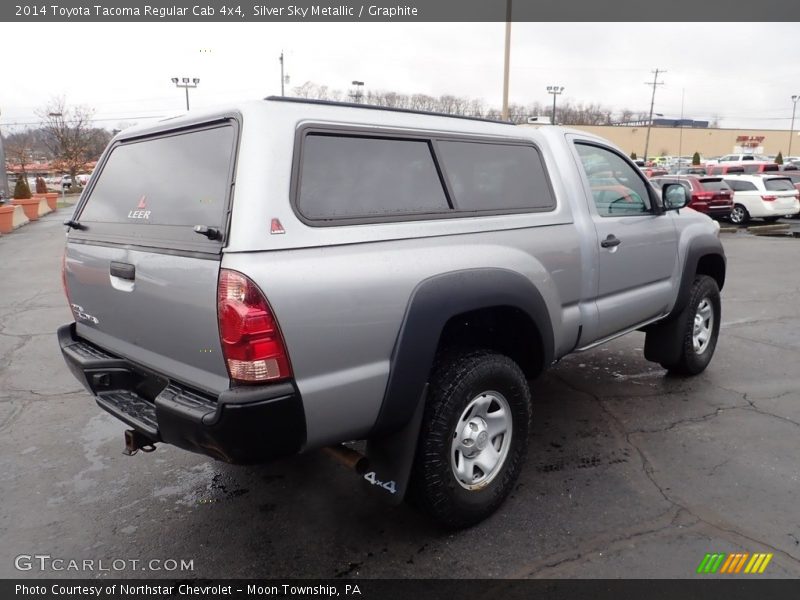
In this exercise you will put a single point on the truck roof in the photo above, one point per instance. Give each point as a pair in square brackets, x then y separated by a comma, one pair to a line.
[301, 109]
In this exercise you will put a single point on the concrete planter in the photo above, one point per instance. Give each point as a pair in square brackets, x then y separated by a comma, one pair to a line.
[29, 205]
[52, 199]
[11, 217]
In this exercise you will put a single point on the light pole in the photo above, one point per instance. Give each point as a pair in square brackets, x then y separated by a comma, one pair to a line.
[358, 94]
[186, 83]
[556, 91]
[791, 130]
[506, 61]
[284, 78]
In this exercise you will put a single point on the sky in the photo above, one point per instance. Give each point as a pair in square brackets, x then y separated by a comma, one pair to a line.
[742, 73]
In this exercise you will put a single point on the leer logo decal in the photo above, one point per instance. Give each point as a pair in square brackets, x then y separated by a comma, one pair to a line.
[141, 211]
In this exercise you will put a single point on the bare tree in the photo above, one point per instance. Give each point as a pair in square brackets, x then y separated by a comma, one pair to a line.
[70, 137]
[19, 149]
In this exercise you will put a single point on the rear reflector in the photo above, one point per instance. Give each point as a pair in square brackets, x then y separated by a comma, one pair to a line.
[64, 276]
[769, 198]
[251, 340]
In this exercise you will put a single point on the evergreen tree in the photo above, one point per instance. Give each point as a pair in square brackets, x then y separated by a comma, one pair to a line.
[21, 189]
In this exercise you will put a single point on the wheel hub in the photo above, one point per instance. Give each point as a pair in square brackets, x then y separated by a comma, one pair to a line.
[703, 326]
[474, 437]
[481, 440]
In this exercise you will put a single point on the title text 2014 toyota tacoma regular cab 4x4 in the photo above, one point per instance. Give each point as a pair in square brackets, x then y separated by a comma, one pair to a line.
[290, 275]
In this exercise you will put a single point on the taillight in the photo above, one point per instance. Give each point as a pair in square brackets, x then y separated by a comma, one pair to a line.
[705, 196]
[252, 343]
[769, 198]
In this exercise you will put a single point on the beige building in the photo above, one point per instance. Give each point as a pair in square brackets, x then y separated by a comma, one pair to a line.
[669, 141]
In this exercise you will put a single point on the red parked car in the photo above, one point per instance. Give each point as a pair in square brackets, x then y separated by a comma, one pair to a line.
[724, 169]
[709, 195]
[760, 167]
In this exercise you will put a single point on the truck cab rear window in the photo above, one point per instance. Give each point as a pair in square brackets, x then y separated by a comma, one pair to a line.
[346, 177]
[156, 190]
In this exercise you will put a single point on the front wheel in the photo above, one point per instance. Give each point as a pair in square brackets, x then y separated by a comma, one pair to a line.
[474, 437]
[739, 215]
[700, 328]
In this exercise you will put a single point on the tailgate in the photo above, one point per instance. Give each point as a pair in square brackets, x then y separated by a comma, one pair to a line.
[785, 201]
[142, 283]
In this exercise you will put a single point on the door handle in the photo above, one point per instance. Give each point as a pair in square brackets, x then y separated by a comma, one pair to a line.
[611, 241]
[123, 270]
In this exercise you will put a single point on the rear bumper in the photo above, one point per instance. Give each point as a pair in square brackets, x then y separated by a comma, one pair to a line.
[244, 425]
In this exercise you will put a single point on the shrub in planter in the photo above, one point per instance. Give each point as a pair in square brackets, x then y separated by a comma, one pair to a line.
[21, 189]
[779, 158]
[41, 186]
[696, 158]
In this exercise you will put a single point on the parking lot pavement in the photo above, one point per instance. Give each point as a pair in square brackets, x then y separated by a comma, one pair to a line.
[630, 473]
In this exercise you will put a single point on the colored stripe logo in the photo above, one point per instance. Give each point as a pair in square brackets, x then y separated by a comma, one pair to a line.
[738, 562]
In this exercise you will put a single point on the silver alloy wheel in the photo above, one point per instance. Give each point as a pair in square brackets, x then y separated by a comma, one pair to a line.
[481, 440]
[703, 325]
[737, 215]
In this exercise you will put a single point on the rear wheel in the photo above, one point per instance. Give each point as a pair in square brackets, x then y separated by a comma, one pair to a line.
[739, 215]
[474, 437]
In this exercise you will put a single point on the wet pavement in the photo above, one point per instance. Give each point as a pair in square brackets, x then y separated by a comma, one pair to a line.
[630, 473]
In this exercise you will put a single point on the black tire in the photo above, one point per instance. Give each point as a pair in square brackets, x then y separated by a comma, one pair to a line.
[458, 379]
[689, 361]
[771, 220]
[739, 215]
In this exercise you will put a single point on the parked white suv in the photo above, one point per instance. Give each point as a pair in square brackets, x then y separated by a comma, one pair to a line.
[767, 197]
[735, 159]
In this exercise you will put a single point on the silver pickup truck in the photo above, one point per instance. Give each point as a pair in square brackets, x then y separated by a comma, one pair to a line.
[289, 275]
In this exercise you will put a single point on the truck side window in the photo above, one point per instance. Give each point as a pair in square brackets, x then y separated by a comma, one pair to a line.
[617, 189]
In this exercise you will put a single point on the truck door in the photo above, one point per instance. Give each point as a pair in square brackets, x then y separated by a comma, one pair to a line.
[637, 244]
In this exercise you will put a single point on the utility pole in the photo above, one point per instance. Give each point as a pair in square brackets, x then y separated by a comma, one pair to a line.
[791, 131]
[282, 77]
[654, 83]
[680, 135]
[507, 60]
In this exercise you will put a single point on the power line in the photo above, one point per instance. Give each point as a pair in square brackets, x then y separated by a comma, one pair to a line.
[17, 123]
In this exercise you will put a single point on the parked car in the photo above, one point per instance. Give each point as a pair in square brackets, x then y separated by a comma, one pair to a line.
[767, 197]
[760, 167]
[709, 195]
[382, 275]
[65, 182]
[724, 169]
[789, 167]
[693, 170]
[654, 171]
[736, 159]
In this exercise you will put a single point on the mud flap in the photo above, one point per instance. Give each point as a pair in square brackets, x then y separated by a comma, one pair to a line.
[664, 341]
[390, 458]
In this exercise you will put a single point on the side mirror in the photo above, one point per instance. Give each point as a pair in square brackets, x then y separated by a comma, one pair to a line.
[675, 196]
